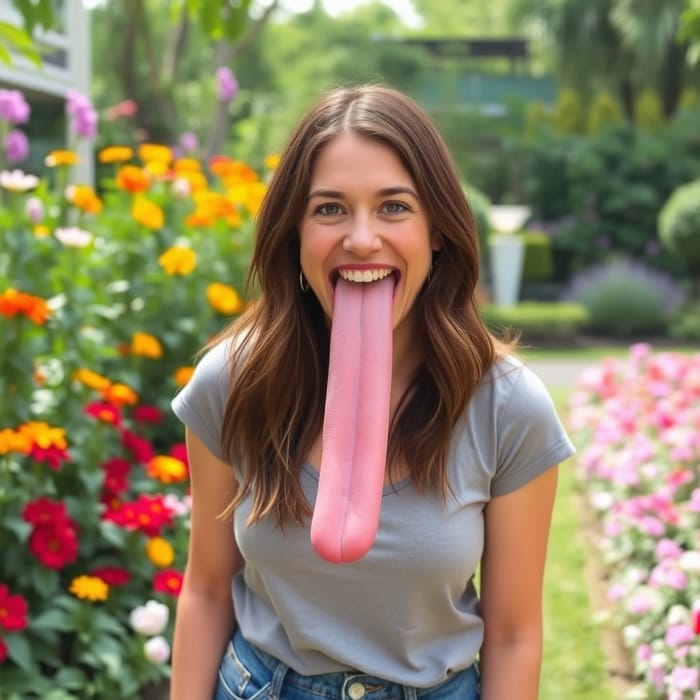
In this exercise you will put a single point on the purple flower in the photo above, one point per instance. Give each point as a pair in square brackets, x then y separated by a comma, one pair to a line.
[13, 107]
[16, 146]
[189, 141]
[83, 117]
[226, 84]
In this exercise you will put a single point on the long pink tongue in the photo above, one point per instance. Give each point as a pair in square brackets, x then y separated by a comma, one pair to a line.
[356, 421]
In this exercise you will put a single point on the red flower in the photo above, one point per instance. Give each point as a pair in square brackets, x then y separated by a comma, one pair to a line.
[44, 511]
[168, 581]
[53, 455]
[54, 546]
[112, 575]
[179, 451]
[116, 475]
[149, 514]
[141, 450]
[696, 621]
[3, 650]
[13, 610]
[147, 414]
[104, 412]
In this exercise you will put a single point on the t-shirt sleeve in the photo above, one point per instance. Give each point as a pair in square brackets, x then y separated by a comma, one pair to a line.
[201, 403]
[531, 437]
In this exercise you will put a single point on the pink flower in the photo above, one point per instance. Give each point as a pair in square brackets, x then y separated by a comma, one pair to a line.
[13, 107]
[679, 634]
[226, 84]
[16, 146]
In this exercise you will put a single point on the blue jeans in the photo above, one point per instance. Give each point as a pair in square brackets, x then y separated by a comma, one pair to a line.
[248, 673]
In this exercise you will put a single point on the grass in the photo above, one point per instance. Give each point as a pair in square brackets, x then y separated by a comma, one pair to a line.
[574, 664]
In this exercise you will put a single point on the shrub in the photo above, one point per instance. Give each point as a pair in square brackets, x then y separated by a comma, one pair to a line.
[605, 110]
[541, 321]
[625, 298]
[648, 110]
[679, 224]
[537, 263]
[568, 113]
[480, 205]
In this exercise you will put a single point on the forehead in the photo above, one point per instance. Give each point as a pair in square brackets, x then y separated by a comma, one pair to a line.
[350, 157]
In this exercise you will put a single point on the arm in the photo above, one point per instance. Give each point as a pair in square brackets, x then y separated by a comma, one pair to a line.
[205, 621]
[512, 570]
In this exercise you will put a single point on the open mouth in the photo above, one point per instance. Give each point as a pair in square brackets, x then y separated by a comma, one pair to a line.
[363, 275]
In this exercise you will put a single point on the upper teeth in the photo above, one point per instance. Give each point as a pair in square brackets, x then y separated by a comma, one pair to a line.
[364, 275]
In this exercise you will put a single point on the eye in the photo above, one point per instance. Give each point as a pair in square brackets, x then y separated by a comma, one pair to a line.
[330, 209]
[395, 207]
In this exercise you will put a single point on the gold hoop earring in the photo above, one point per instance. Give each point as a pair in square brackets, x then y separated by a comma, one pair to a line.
[303, 282]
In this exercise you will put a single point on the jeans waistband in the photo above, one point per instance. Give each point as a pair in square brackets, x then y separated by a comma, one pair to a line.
[342, 680]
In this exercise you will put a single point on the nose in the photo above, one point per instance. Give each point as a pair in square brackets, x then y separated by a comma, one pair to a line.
[362, 238]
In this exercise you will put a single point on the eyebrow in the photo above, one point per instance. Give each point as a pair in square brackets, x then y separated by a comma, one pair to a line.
[386, 192]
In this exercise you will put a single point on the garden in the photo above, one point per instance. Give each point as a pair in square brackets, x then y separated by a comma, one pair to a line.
[109, 288]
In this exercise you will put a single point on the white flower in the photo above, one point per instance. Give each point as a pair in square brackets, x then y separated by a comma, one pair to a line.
[181, 188]
[631, 634]
[600, 500]
[150, 618]
[678, 615]
[17, 181]
[157, 650]
[73, 237]
[690, 562]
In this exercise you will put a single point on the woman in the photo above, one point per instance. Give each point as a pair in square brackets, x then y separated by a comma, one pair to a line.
[372, 441]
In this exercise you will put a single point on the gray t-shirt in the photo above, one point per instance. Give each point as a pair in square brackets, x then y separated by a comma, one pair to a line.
[408, 610]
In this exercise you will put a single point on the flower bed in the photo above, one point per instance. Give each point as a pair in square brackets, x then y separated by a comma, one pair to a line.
[637, 424]
[105, 296]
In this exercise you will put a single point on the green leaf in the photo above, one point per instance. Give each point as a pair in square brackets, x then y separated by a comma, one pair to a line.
[105, 623]
[20, 651]
[53, 620]
[69, 677]
[19, 41]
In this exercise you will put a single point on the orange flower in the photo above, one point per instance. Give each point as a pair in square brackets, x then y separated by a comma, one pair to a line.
[146, 345]
[43, 435]
[13, 441]
[178, 260]
[13, 303]
[148, 214]
[197, 181]
[224, 299]
[91, 379]
[61, 157]
[84, 197]
[155, 153]
[115, 154]
[166, 469]
[133, 179]
[120, 395]
[183, 375]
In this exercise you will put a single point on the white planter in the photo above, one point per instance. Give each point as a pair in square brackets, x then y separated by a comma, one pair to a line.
[506, 255]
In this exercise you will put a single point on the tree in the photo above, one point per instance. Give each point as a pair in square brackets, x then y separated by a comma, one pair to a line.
[624, 45]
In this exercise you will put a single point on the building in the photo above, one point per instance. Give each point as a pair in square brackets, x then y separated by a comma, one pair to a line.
[65, 51]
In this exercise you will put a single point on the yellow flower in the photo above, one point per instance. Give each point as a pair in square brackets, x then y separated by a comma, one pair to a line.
[272, 161]
[41, 231]
[178, 260]
[89, 588]
[187, 165]
[155, 153]
[61, 157]
[146, 345]
[183, 375]
[160, 552]
[84, 197]
[148, 214]
[256, 192]
[224, 299]
[115, 154]
[156, 168]
[91, 379]
[197, 180]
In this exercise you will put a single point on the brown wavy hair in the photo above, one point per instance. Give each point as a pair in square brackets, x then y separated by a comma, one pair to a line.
[279, 362]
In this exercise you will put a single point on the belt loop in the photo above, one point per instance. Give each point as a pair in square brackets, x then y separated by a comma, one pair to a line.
[409, 692]
[277, 680]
